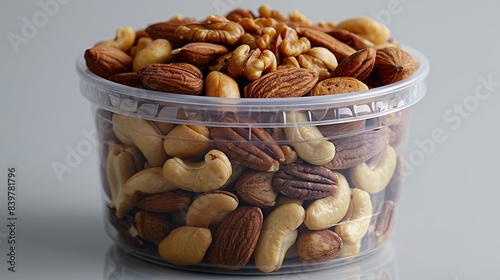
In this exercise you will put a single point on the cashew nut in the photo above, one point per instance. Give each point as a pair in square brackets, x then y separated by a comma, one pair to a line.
[185, 245]
[199, 176]
[219, 84]
[121, 163]
[366, 27]
[374, 180]
[354, 225]
[308, 141]
[158, 51]
[326, 212]
[185, 141]
[208, 206]
[143, 134]
[141, 44]
[124, 39]
[147, 181]
[278, 234]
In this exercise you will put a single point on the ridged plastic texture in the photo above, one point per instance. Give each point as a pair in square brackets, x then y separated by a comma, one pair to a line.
[266, 112]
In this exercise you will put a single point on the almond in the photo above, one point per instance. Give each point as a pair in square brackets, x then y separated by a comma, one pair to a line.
[166, 30]
[236, 238]
[291, 82]
[320, 39]
[105, 61]
[358, 65]
[129, 79]
[338, 85]
[199, 54]
[182, 78]
[392, 64]
[165, 202]
[151, 226]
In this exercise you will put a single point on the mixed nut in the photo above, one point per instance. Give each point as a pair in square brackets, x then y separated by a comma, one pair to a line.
[240, 196]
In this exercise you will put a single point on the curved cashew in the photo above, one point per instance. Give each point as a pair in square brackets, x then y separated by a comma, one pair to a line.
[141, 44]
[374, 180]
[121, 163]
[143, 134]
[208, 206]
[326, 212]
[199, 176]
[124, 39]
[354, 225]
[308, 141]
[185, 245]
[279, 232]
[147, 181]
[158, 51]
[185, 141]
[349, 251]
[366, 27]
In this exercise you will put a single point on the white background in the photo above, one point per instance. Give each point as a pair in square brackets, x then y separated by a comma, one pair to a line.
[448, 220]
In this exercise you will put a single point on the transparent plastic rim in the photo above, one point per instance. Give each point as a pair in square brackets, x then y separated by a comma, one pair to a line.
[382, 94]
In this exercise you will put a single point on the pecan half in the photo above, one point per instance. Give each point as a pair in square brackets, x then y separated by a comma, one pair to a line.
[177, 77]
[215, 29]
[236, 238]
[305, 181]
[353, 150]
[253, 148]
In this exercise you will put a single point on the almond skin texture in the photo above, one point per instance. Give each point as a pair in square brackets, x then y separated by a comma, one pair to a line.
[359, 65]
[292, 82]
[320, 39]
[236, 238]
[392, 64]
[182, 78]
[338, 85]
[105, 61]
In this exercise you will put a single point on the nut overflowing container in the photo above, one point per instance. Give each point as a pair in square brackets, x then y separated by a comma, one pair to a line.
[252, 143]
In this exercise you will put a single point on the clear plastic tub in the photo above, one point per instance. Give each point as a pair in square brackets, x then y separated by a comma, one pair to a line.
[241, 186]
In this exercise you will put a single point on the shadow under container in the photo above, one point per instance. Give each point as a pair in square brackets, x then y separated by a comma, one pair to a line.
[251, 186]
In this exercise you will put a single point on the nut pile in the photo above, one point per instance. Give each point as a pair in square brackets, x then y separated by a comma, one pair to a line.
[234, 196]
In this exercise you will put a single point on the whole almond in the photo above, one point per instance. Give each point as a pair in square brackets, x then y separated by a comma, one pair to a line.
[255, 187]
[151, 226]
[236, 238]
[392, 64]
[291, 82]
[320, 39]
[352, 39]
[166, 30]
[106, 61]
[338, 85]
[165, 202]
[178, 77]
[129, 79]
[358, 65]
[199, 54]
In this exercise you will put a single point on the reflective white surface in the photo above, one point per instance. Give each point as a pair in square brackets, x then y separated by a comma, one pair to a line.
[447, 222]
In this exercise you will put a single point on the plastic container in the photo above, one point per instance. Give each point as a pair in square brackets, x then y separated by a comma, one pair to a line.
[178, 210]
